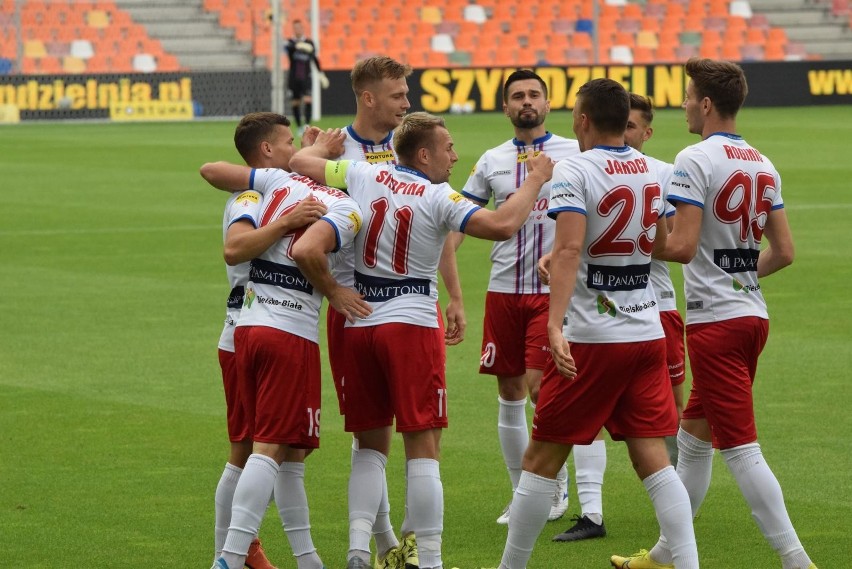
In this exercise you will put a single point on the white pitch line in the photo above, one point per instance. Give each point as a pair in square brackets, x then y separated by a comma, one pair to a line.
[818, 206]
[105, 230]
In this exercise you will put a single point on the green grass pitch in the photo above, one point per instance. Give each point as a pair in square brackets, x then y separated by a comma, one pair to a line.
[112, 424]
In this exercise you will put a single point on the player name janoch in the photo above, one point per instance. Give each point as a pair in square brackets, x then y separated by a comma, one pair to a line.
[636, 166]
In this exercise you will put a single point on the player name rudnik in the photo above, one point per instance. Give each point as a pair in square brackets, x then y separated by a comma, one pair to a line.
[636, 166]
[748, 154]
[397, 187]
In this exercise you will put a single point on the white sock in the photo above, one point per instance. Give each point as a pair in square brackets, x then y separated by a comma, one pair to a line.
[365, 495]
[425, 497]
[671, 504]
[251, 498]
[530, 508]
[224, 499]
[513, 434]
[383, 529]
[292, 503]
[589, 467]
[694, 466]
[763, 494]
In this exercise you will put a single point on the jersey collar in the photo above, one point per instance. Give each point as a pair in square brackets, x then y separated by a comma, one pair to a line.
[730, 135]
[360, 140]
[539, 140]
[411, 171]
[624, 148]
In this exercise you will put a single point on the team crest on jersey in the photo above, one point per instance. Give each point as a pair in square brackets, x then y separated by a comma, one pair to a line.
[356, 222]
[379, 157]
[249, 197]
[249, 298]
[605, 306]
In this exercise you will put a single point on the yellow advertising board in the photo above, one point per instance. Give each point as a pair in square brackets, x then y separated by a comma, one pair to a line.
[9, 114]
[136, 111]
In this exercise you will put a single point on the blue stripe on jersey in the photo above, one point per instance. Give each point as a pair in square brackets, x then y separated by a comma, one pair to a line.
[675, 199]
[467, 217]
[366, 142]
[336, 234]
[552, 213]
[246, 217]
[474, 198]
[779, 206]
[251, 178]
[520, 244]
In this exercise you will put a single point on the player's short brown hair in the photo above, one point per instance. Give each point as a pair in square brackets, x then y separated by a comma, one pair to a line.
[643, 105]
[253, 129]
[606, 103]
[416, 131]
[522, 75]
[722, 82]
[373, 69]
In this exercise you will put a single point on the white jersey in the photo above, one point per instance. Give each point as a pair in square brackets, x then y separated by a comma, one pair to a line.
[244, 205]
[618, 190]
[661, 279]
[498, 174]
[406, 222]
[278, 294]
[360, 150]
[737, 187]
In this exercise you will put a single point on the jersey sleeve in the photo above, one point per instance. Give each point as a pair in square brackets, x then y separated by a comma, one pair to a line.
[245, 207]
[477, 188]
[451, 207]
[567, 189]
[690, 179]
[357, 176]
[345, 218]
[263, 180]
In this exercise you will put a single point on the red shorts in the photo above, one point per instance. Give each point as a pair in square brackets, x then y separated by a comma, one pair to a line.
[334, 323]
[514, 336]
[279, 383]
[673, 329]
[394, 370]
[723, 358]
[238, 427]
[623, 387]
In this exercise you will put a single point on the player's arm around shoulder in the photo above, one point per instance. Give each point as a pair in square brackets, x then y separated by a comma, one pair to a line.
[503, 223]
[310, 253]
[317, 160]
[226, 176]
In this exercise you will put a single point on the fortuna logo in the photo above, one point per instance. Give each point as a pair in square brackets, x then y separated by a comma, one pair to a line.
[250, 296]
[605, 306]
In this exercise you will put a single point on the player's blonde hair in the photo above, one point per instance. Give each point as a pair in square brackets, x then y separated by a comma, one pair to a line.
[722, 82]
[373, 69]
[416, 131]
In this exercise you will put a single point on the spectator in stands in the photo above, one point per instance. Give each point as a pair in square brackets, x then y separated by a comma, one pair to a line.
[302, 53]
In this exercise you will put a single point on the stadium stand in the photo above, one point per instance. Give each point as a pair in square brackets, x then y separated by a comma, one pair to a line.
[55, 36]
[78, 37]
